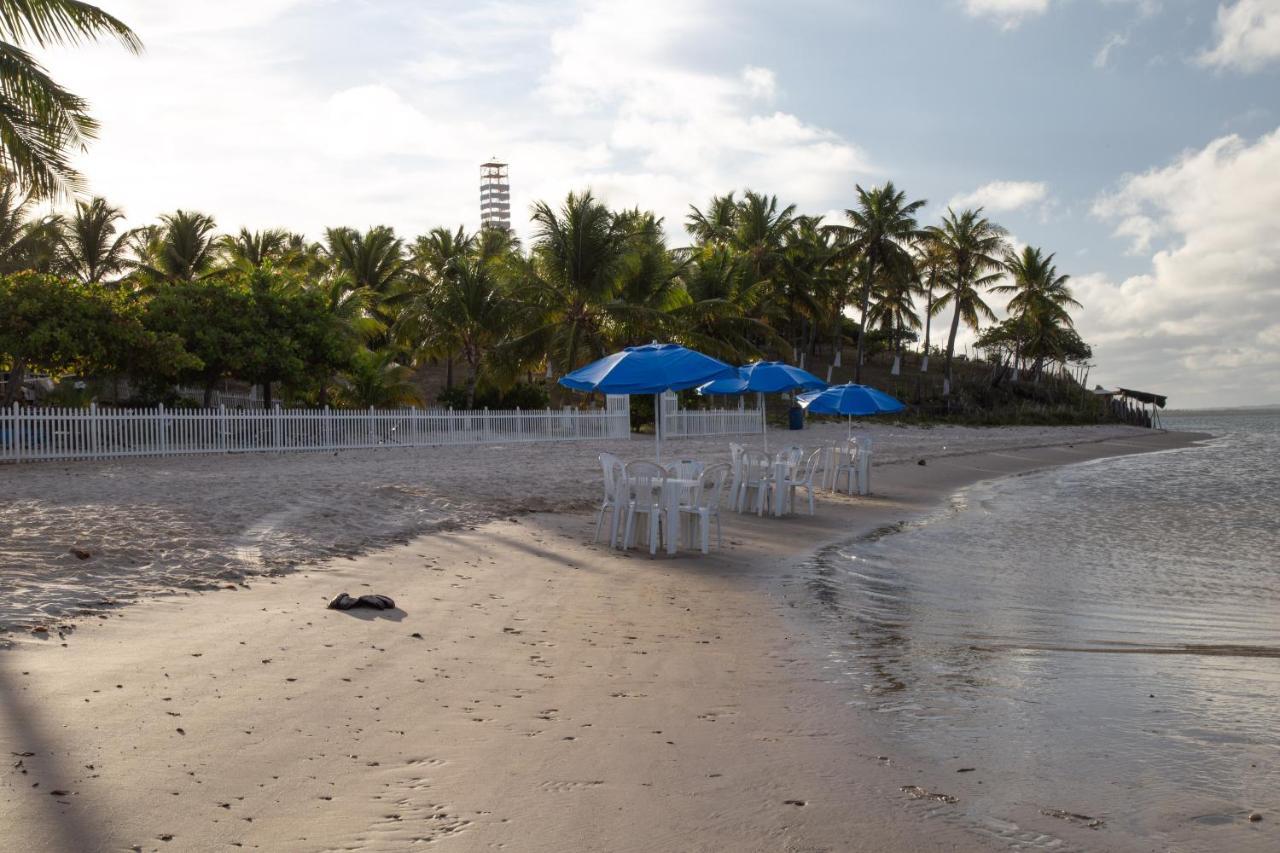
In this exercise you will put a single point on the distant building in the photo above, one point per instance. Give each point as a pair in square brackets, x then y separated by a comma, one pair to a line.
[495, 196]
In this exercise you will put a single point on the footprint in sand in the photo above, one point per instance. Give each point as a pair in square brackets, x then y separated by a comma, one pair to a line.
[569, 786]
[426, 762]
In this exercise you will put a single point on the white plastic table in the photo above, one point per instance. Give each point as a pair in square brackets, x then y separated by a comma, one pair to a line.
[836, 453]
[675, 489]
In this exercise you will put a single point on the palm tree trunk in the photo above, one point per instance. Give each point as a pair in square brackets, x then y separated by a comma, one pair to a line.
[471, 381]
[902, 334]
[862, 326]
[266, 396]
[17, 375]
[928, 323]
[951, 348]
[837, 339]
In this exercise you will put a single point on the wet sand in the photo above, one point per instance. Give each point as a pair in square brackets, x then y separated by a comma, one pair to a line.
[532, 692]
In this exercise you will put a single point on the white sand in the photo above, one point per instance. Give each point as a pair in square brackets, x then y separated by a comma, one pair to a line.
[157, 525]
[557, 695]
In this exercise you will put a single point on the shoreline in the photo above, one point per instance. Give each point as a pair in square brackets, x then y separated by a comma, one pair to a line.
[644, 703]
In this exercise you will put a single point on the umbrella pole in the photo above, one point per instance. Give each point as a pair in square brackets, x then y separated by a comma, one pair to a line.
[764, 421]
[657, 428]
[849, 434]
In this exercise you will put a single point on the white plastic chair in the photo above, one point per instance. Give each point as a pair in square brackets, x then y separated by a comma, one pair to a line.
[735, 476]
[792, 457]
[847, 465]
[705, 504]
[686, 469]
[785, 490]
[615, 496]
[756, 473]
[646, 489]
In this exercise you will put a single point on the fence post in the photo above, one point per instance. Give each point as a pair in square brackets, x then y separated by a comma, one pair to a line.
[222, 428]
[328, 428]
[485, 426]
[93, 429]
[17, 432]
[164, 434]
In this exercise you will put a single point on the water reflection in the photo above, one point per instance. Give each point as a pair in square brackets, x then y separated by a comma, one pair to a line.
[1105, 635]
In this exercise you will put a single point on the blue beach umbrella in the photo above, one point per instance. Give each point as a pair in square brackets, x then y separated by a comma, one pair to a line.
[650, 369]
[765, 377]
[850, 399]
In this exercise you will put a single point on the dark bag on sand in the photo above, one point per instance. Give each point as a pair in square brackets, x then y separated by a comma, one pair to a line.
[342, 601]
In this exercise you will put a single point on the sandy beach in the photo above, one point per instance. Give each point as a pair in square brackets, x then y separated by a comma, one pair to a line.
[531, 692]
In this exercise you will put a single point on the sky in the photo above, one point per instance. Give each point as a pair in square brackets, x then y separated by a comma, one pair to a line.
[1139, 140]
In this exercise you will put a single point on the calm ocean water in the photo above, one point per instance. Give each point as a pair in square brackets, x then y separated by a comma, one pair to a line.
[1102, 640]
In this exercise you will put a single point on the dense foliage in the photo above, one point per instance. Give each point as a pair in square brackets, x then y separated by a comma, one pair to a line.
[350, 318]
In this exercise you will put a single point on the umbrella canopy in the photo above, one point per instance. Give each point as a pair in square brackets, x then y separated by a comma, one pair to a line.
[649, 369]
[850, 399]
[765, 377]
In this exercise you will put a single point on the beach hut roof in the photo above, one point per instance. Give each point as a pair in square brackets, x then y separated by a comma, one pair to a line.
[1143, 396]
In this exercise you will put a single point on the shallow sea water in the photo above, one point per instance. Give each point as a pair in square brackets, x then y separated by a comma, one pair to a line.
[1100, 641]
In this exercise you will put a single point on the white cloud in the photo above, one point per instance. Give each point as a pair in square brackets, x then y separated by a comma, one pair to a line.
[1103, 56]
[1200, 323]
[1007, 13]
[1248, 36]
[761, 82]
[271, 113]
[1001, 196]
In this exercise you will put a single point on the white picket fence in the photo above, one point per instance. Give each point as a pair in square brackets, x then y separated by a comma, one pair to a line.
[252, 400]
[28, 435]
[693, 423]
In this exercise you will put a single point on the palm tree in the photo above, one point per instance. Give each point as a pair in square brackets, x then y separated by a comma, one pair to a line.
[894, 309]
[716, 310]
[880, 230]
[716, 224]
[972, 246]
[373, 260]
[184, 248]
[250, 250]
[804, 280]
[25, 243]
[931, 263]
[41, 123]
[760, 233]
[432, 259]
[649, 277]
[570, 305]
[1040, 300]
[470, 314]
[93, 246]
[375, 378]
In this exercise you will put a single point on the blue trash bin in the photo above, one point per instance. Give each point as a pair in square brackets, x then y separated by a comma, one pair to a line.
[795, 417]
